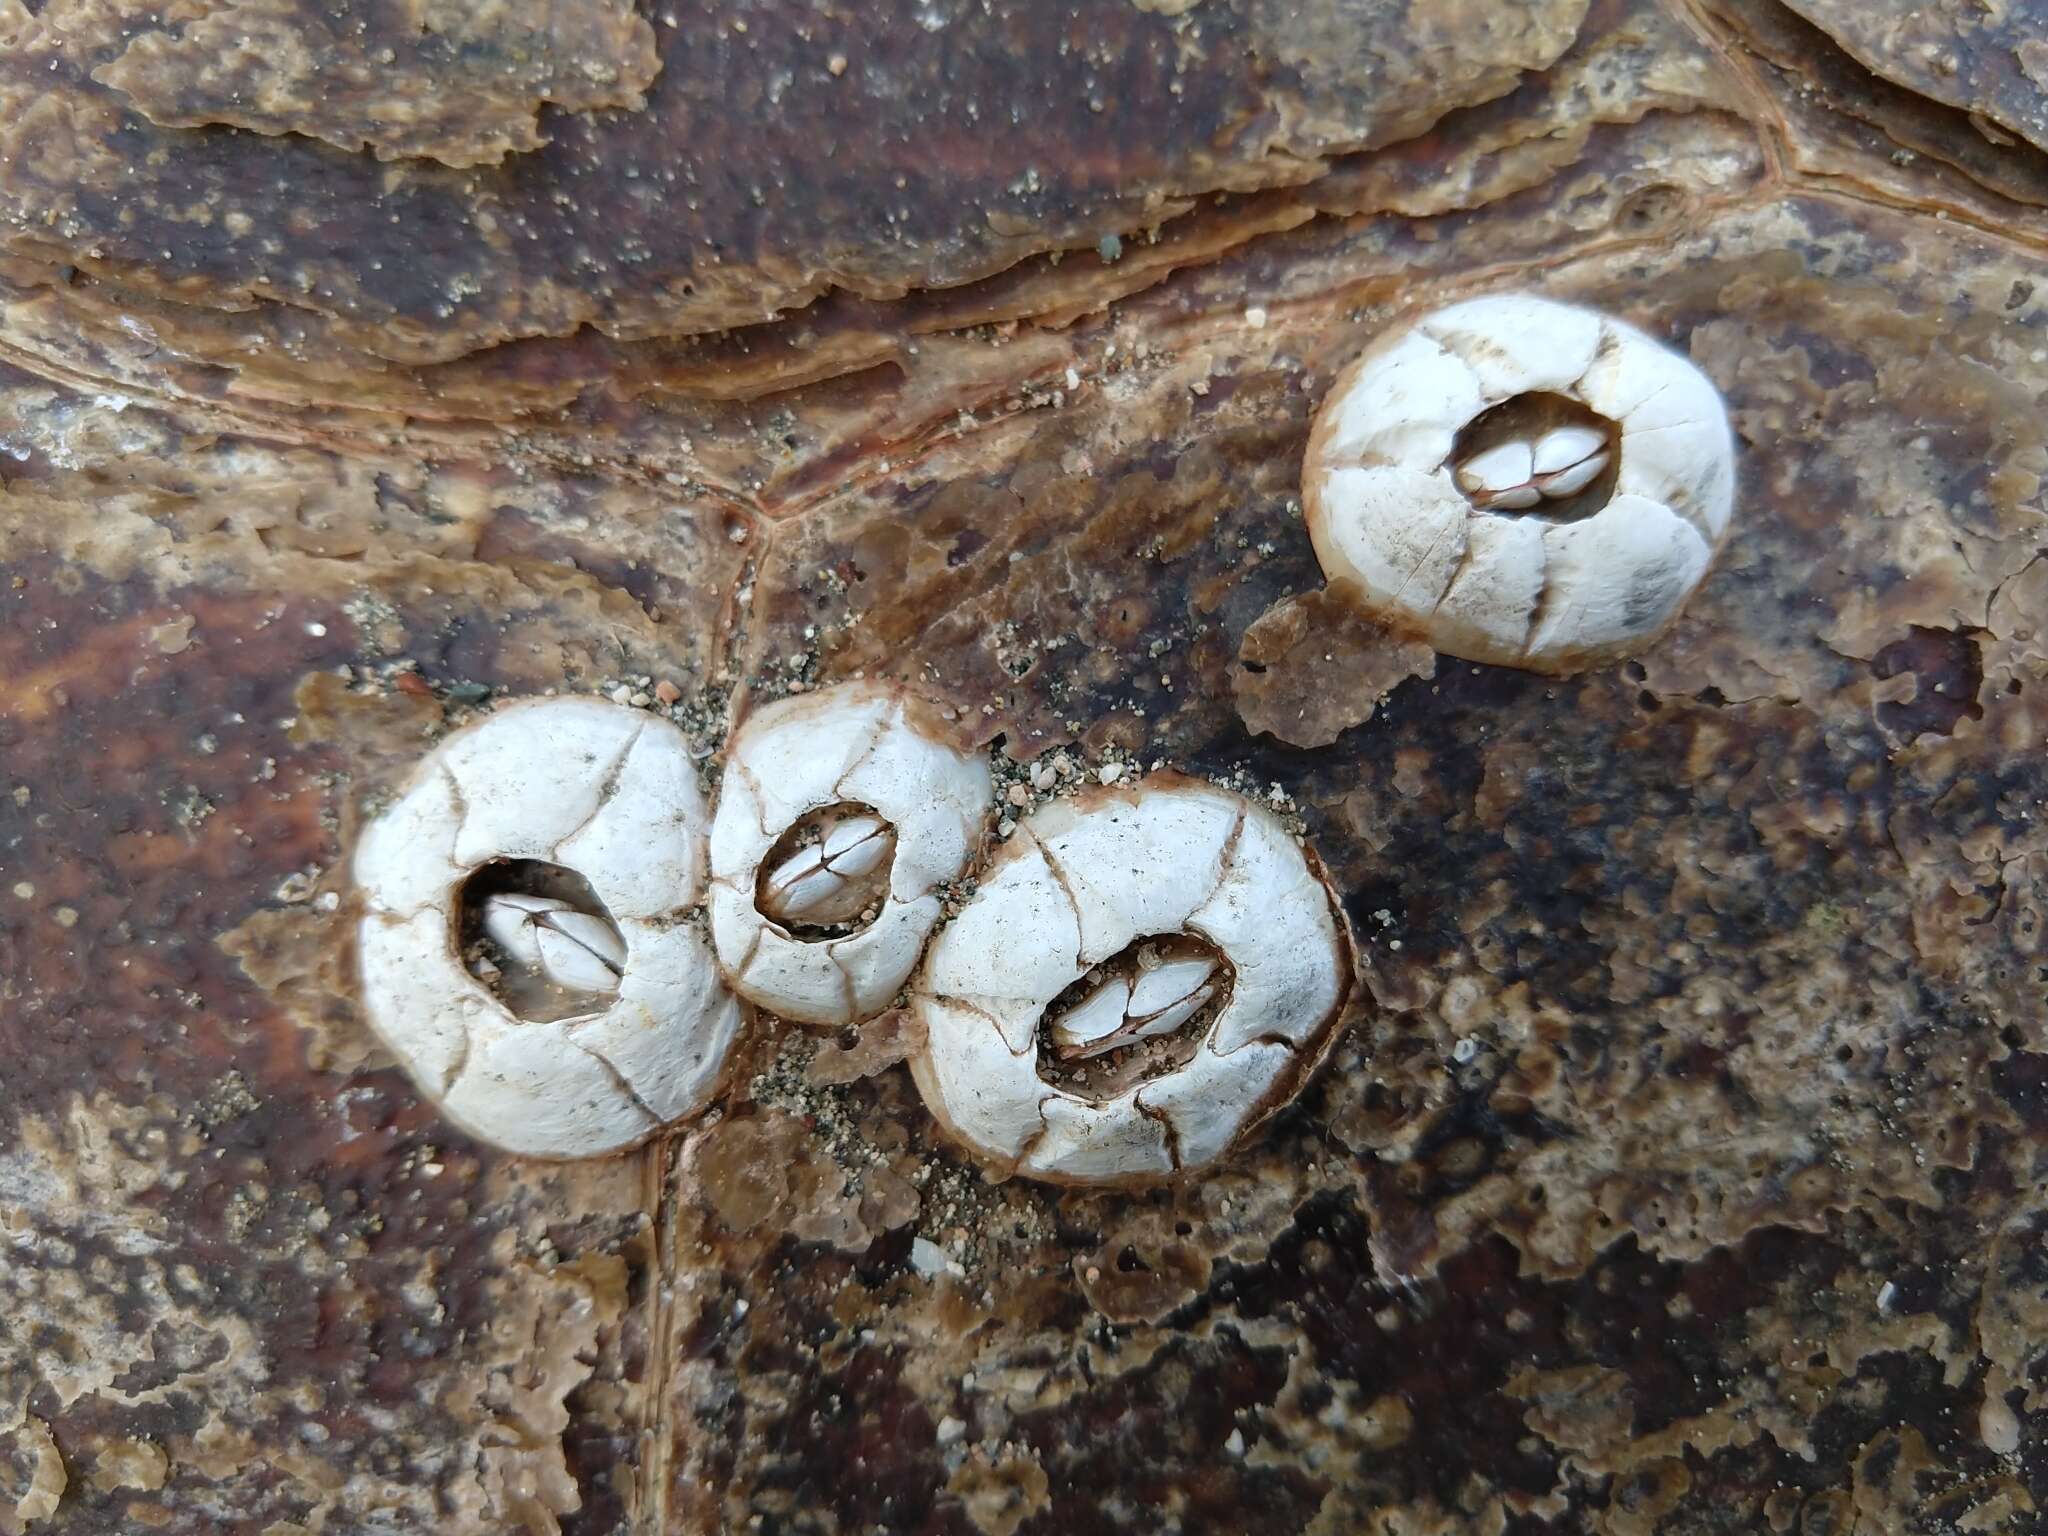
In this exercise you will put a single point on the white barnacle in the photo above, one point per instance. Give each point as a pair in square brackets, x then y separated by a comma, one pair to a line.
[599, 794]
[842, 814]
[1576, 526]
[1169, 923]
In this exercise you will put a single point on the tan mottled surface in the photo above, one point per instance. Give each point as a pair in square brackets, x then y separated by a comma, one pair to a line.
[1680, 1168]
[454, 82]
[1988, 57]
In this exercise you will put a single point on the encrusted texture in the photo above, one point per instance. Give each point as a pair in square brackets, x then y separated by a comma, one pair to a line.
[1679, 1165]
[458, 83]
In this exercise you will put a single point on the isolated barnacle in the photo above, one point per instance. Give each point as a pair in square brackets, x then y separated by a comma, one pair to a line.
[841, 815]
[1520, 481]
[1142, 976]
[523, 945]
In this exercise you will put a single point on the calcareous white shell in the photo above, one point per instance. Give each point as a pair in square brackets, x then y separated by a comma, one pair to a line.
[1078, 883]
[858, 744]
[1463, 555]
[611, 794]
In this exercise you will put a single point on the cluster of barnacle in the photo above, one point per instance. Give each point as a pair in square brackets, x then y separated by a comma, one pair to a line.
[558, 933]
[1140, 973]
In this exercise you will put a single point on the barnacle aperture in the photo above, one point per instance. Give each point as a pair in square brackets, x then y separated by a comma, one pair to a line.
[1520, 481]
[1139, 1015]
[538, 936]
[829, 873]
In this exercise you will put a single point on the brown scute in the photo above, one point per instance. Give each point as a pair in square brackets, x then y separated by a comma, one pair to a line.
[460, 83]
[953, 143]
[1678, 1164]
[1990, 61]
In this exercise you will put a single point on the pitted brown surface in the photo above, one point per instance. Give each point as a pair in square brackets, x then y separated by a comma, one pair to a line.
[1990, 60]
[978, 136]
[1680, 1167]
[462, 84]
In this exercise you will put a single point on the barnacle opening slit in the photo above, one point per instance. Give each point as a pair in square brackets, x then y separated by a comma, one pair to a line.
[1538, 455]
[1139, 1015]
[539, 938]
[828, 875]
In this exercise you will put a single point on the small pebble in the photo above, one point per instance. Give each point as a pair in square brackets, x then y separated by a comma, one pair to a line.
[1998, 1426]
[1109, 773]
[667, 691]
